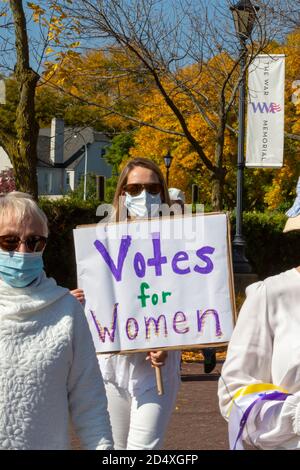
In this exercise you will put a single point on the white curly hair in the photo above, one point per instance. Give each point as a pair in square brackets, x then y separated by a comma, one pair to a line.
[20, 206]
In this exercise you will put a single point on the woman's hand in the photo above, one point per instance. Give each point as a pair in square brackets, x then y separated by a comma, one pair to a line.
[157, 358]
[79, 295]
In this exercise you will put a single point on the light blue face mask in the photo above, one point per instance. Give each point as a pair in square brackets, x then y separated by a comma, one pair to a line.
[143, 205]
[20, 269]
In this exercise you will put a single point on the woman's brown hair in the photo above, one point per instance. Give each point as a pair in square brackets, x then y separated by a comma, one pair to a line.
[145, 163]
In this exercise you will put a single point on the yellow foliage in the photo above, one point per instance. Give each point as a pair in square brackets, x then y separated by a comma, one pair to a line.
[284, 180]
[107, 80]
[187, 166]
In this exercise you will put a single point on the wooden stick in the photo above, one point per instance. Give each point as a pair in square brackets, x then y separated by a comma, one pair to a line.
[159, 381]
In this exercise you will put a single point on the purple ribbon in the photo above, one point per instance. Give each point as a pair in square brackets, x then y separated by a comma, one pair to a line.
[277, 396]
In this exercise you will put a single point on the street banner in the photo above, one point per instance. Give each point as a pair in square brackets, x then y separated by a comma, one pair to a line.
[159, 283]
[265, 124]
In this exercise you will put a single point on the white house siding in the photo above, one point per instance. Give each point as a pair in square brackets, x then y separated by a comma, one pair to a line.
[4, 160]
[95, 163]
[51, 181]
[70, 180]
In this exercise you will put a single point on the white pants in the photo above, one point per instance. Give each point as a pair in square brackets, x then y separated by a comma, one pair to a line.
[140, 422]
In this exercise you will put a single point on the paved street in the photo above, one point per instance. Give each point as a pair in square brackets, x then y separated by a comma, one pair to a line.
[196, 423]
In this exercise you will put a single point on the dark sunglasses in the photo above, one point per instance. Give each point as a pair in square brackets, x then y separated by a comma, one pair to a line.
[12, 243]
[135, 189]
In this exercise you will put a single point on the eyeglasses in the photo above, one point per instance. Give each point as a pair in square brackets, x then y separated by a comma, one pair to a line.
[135, 189]
[12, 243]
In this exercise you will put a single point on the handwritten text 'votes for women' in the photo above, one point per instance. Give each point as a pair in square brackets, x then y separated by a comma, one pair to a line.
[153, 293]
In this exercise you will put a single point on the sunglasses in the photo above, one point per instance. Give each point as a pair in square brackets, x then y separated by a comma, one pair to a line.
[12, 243]
[135, 189]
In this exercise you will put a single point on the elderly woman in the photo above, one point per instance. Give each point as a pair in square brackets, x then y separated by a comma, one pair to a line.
[259, 388]
[48, 365]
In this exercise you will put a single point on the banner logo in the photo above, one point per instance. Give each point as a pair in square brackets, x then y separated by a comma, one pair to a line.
[264, 107]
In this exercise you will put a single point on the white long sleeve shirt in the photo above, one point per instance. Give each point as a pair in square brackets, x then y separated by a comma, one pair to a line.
[265, 349]
[48, 369]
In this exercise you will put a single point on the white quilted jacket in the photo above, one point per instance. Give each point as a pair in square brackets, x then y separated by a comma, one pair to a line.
[48, 369]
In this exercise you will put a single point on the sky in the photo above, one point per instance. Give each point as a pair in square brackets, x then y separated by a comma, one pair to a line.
[34, 29]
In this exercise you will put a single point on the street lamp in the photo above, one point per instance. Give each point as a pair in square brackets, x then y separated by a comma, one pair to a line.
[168, 160]
[85, 163]
[244, 16]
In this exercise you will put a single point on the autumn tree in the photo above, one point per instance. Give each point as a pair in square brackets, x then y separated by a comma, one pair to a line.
[286, 11]
[284, 180]
[21, 145]
[264, 188]
[21, 57]
[158, 42]
[100, 81]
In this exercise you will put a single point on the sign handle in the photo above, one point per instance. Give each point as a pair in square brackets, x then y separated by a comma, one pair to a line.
[159, 381]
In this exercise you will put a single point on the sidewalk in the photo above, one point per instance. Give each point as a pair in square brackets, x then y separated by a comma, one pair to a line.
[196, 423]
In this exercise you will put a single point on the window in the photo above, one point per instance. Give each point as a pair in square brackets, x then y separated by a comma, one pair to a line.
[47, 183]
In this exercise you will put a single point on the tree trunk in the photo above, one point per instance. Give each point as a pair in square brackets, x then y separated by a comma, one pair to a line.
[24, 151]
[218, 176]
[217, 192]
[24, 155]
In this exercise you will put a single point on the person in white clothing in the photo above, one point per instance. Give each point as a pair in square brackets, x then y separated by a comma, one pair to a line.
[259, 388]
[139, 416]
[48, 365]
[177, 197]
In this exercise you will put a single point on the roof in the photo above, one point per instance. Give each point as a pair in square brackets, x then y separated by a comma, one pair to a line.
[73, 146]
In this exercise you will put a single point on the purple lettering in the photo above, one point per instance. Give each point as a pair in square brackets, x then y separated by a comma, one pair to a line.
[180, 317]
[157, 259]
[201, 253]
[131, 335]
[261, 107]
[180, 256]
[156, 324]
[102, 331]
[139, 265]
[115, 270]
[201, 320]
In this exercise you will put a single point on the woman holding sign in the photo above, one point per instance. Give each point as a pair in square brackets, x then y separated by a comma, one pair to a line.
[259, 388]
[139, 416]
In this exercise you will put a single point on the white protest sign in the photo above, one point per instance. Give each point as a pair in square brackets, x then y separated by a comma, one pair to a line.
[157, 283]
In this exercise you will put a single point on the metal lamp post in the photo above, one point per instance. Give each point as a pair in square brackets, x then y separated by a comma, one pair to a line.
[85, 164]
[168, 160]
[244, 16]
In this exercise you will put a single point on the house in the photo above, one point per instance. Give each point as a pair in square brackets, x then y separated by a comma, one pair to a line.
[61, 157]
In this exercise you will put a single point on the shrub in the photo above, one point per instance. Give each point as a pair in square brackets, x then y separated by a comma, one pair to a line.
[63, 216]
[268, 249]
[7, 181]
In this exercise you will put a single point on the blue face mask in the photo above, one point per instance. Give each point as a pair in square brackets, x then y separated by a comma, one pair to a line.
[20, 269]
